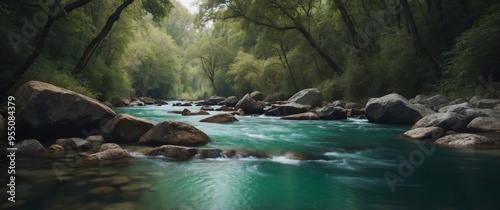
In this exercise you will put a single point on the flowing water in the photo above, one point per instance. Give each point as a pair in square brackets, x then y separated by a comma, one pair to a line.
[351, 164]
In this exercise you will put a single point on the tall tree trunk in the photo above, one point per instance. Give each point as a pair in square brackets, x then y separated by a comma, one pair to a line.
[92, 46]
[348, 22]
[431, 62]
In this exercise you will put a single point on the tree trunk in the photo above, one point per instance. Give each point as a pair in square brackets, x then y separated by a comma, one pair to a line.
[348, 22]
[92, 46]
[421, 50]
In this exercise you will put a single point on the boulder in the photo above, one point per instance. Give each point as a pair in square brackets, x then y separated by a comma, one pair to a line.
[187, 112]
[225, 109]
[484, 124]
[311, 97]
[474, 101]
[108, 156]
[454, 102]
[29, 147]
[171, 151]
[275, 97]
[230, 101]
[447, 121]
[160, 102]
[302, 116]
[434, 101]
[220, 118]
[471, 114]
[147, 100]
[108, 146]
[287, 109]
[120, 102]
[256, 95]
[174, 133]
[487, 103]
[47, 111]
[419, 99]
[125, 128]
[75, 144]
[214, 100]
[394, 109]
[427, 133]
[55, 148]
[352, 105]
[250, 106]
[207, 108]
[96, 140]
[340, 103]
[497, 107]
[464, 140]
[136, 103]
[332, 113]
[457, 108]
[357, 113]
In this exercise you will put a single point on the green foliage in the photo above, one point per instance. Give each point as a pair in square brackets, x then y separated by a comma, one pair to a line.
[475, 56]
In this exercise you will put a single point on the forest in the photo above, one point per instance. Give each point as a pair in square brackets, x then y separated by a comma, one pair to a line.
[351, 50]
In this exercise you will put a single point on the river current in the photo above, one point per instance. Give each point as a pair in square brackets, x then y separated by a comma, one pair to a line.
[351, 164]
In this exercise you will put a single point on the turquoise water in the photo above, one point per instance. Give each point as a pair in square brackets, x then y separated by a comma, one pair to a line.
[347, 161]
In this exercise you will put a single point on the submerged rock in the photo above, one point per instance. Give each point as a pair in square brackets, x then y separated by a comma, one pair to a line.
[174, 133]
[220, 118]
[109, 156]
[187, 112]
[465, 140]
[302, 116]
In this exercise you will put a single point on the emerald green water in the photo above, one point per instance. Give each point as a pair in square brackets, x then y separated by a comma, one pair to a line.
[345, 170]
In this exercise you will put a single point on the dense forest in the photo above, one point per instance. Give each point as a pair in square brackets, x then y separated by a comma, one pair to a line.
[348, 49]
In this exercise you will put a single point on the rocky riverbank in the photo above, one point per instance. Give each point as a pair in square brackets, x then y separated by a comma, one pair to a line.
[52, 120]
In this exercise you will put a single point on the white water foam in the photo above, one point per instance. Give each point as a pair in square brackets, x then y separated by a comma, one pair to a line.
[285, 160]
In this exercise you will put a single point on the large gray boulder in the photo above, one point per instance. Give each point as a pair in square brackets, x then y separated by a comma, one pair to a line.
[457, 108]
[287, 109]
[428, 133]
[447, 121]
[484, 124]
[29, 147]
[471, 114]
[332, 113]
[174, 133]
[465, 140]
[311, 97]
[275, 97]
[250, 106]
[256, 95]
[434, 101]
[394, 109]
[487, 103]
[47, 111]
[125, 128]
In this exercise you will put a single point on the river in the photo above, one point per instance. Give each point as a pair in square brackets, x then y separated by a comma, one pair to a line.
[352, 164]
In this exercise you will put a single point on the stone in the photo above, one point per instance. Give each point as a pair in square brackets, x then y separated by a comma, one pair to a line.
[250, 106]
[497, 107]
[207, 108]
[302, 116]
[487, 103]
[419, 99]
[174, 133]
[125, 128]
[394, 109]
[187, 112]
[287, 109]
[427, 133]
[147, 100]
[339, 103]
[101, 190]
[457, 108]
[484, 124]
[214, 100]
[95, 139]
[107, 146]
[171, 151]
[230, 101]
[311, 97]
[352, 105]
[474, 101]
[55, 148]
[332, 113]
[275, 97]
[75, 144]
[434, 101]
[465, 140]
[109, 156]
[447, 121]
[220, 118]
[471, 114]
[256, 95]
[29, 147]
[136, 103]
[49, 112]
[119, 102]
